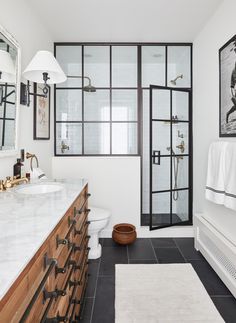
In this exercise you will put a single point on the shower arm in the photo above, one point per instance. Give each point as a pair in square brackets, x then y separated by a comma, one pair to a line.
[80, 77]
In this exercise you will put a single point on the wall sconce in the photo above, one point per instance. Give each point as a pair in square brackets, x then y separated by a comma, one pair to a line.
[43, 69]
[7, 74]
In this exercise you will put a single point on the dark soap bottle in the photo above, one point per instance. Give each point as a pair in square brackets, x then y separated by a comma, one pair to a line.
[17, 168]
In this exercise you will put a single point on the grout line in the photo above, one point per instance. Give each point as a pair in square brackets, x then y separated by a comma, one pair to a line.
[180, 251]
[95, 291]
[150, 240]
[127, 248]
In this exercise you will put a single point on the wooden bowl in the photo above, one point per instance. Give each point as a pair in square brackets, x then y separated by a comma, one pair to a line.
[124, 233]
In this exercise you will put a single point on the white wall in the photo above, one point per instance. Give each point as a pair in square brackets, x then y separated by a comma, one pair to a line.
[220, 28]
[18, 19]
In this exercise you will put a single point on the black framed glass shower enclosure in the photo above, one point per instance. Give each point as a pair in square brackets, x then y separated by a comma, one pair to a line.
[170, 157]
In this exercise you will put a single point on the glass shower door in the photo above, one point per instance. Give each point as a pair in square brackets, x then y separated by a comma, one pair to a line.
[170, 158]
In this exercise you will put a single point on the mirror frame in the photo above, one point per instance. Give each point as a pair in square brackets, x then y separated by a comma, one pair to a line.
[11, 39]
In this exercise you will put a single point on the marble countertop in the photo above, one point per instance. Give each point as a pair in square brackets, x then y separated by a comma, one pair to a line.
[25, 223]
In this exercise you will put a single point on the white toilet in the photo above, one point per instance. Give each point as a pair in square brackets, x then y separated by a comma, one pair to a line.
[98, 218]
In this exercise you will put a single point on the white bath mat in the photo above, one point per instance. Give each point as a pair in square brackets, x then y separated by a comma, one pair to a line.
[159, 293]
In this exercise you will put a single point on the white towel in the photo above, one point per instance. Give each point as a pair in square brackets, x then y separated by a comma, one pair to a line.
[230, 176]
[215, 184]
[37, 173]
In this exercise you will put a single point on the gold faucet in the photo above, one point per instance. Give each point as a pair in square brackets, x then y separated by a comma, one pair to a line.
[10, 182]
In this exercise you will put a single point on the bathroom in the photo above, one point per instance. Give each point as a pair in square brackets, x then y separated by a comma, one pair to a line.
[114, 51]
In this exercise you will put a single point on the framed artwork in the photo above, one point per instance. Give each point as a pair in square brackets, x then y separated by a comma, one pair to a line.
[227, 61]
[41, 114]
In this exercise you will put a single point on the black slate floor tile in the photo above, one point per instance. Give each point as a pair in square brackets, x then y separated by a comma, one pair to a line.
[186, 245]
[104, 311]
[93, 273]
[142, 261]
[209, 278]
[168, 255]
[163, 243]
[110, 257]
[227, 307]
[108, 242]
[87, 310]
[141, 249]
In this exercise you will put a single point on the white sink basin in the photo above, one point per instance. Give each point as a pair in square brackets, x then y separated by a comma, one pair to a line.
[43, 188]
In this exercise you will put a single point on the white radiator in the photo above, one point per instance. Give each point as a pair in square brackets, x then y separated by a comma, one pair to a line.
[218, 250]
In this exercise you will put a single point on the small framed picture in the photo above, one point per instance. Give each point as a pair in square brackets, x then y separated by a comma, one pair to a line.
[41, 114]
[227, 61]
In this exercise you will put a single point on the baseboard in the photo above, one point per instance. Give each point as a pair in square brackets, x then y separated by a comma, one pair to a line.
[144, 232]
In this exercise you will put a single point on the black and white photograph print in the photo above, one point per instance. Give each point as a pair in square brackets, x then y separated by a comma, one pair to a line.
[227, 60]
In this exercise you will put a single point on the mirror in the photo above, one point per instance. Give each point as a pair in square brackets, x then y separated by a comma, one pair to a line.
[9, 92]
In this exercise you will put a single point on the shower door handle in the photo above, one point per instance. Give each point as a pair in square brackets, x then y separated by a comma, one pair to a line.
[156, 155]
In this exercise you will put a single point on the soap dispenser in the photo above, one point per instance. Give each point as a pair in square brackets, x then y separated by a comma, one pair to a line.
[17, 169]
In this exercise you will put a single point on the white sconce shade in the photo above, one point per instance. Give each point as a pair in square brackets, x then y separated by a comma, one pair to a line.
[44, 62]
[7, 68]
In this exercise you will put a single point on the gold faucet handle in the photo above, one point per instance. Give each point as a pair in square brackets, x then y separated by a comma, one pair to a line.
[2, 188]
[7, 182]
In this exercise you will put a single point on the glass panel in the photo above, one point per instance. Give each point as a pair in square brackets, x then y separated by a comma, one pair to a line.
[180, 206]
[160, 104]
[97, 65]
[180, 105]
[9, 140]
[124, 66]
[1, 124]
[179, 65]
[161, 175]
[69, 134]
[145, 148]
[180, 138]
[161, 137]
[70, 60]
[69, 105]
[153, 65]
[97, 106]
[124, 105]
[180, 172]
[161, 209]
[124, 138]
[96, 138]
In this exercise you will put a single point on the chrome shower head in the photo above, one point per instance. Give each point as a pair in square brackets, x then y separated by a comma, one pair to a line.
[174, 81]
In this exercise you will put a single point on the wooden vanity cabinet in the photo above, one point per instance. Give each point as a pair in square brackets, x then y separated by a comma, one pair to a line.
[52, 286]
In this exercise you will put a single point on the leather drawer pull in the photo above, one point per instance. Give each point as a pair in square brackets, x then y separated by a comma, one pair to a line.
[62, 270]
[53, 294]
[78, 316]
[71, 221]
[81, 210]
[51, 262]
[57, 319]
[61, 241]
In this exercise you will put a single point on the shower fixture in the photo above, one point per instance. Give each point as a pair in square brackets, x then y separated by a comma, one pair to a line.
[87, 88]
[181, 147]
[174, 81]
[176, 172]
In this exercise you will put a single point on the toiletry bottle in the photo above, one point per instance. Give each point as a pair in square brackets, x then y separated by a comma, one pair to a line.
[17, 168]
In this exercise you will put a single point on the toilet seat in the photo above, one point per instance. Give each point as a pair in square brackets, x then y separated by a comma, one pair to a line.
[97, 214]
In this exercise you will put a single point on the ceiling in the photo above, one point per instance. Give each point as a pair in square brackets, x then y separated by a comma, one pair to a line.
[124, 20]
